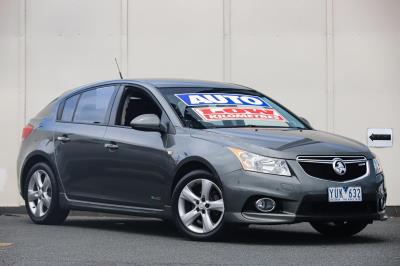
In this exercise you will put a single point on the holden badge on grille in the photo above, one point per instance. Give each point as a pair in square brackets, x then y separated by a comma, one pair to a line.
[339, 166]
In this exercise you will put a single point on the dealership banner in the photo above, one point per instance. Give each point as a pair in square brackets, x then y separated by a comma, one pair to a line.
[238, 113]
[202, 99]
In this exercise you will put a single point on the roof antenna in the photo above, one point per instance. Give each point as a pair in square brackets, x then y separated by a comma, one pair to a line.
[119, 70]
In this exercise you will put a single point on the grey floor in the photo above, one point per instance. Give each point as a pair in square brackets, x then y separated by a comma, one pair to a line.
[122, 241]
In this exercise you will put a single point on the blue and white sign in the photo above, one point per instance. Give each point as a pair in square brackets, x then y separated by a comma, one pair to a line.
[201, 99]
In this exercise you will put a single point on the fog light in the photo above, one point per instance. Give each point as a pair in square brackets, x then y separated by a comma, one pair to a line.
[265, 205]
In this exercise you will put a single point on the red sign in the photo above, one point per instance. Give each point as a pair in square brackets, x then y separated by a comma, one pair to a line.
[238, 113]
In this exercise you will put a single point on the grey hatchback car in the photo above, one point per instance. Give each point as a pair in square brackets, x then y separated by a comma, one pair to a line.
[205, 155]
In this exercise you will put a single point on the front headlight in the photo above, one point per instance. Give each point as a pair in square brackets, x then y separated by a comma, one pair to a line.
[377, 166]
[257, 163]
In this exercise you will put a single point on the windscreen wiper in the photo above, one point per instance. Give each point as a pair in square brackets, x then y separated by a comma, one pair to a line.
[256, 126]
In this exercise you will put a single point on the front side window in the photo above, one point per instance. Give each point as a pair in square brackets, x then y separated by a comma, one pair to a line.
[93, 105]
[223, 107]
[135, 102]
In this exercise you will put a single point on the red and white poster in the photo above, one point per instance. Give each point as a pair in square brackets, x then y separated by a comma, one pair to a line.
[238, 113]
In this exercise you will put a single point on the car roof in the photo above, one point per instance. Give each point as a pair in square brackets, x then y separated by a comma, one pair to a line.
[160, 83]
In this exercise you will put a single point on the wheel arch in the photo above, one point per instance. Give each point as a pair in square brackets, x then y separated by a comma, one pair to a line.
[190, 164]
[31, 160]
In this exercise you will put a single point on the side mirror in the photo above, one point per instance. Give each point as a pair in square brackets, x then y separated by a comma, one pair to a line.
[148, 122]
[305, 121]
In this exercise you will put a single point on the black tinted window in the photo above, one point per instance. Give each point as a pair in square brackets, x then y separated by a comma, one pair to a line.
[69, 108]
[93, 105]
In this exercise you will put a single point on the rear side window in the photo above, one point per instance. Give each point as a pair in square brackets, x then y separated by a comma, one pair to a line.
[93, 105]
[69, 108]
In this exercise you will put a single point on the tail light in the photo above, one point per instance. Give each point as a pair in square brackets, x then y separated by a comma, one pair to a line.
[27, 131]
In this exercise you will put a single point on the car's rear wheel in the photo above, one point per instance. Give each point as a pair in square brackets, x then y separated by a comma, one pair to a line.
[41, 196]
[198, 206]
[340, 229]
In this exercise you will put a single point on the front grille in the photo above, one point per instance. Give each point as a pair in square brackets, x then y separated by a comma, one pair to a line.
[318, 206]
[322, 167]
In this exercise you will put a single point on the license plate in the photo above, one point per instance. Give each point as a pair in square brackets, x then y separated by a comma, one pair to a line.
[341, 194]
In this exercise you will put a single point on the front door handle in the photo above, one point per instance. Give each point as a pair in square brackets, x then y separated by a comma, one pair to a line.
[111, 146]
[63, 138]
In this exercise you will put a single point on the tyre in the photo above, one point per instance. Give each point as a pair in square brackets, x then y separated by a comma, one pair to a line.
[198, 206]
[340, 229]
[41, 196]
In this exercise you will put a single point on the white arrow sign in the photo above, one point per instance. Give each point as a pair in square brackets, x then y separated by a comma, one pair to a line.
[380, 137]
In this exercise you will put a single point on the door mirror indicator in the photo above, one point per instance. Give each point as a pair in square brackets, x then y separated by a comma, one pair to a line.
[148, 122]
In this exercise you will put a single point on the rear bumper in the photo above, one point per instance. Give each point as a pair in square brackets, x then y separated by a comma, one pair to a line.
[299, 198]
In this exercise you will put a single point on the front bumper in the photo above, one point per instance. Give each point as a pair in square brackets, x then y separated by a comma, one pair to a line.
[299, 198]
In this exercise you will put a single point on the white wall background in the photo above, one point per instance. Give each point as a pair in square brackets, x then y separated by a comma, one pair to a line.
[336, 62]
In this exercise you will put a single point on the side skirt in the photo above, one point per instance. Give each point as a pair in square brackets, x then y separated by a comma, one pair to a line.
[80, 205]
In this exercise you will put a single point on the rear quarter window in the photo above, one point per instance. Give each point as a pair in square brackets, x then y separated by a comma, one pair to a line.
[69, 108]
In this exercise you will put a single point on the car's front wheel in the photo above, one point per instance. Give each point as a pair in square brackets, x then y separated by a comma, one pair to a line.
[340, 229]
[41, 196]
[198, 206]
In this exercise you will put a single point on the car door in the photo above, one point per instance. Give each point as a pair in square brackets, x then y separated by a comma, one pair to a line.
[137, 164]
[79, 143]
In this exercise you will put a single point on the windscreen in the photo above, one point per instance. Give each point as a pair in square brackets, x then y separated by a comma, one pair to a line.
[203, 108]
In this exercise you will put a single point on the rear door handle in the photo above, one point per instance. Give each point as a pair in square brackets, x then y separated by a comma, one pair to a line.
[63, 138]
[111, 146]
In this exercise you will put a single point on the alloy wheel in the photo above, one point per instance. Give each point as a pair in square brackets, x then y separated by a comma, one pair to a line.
[39, 193]
[201, 206]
